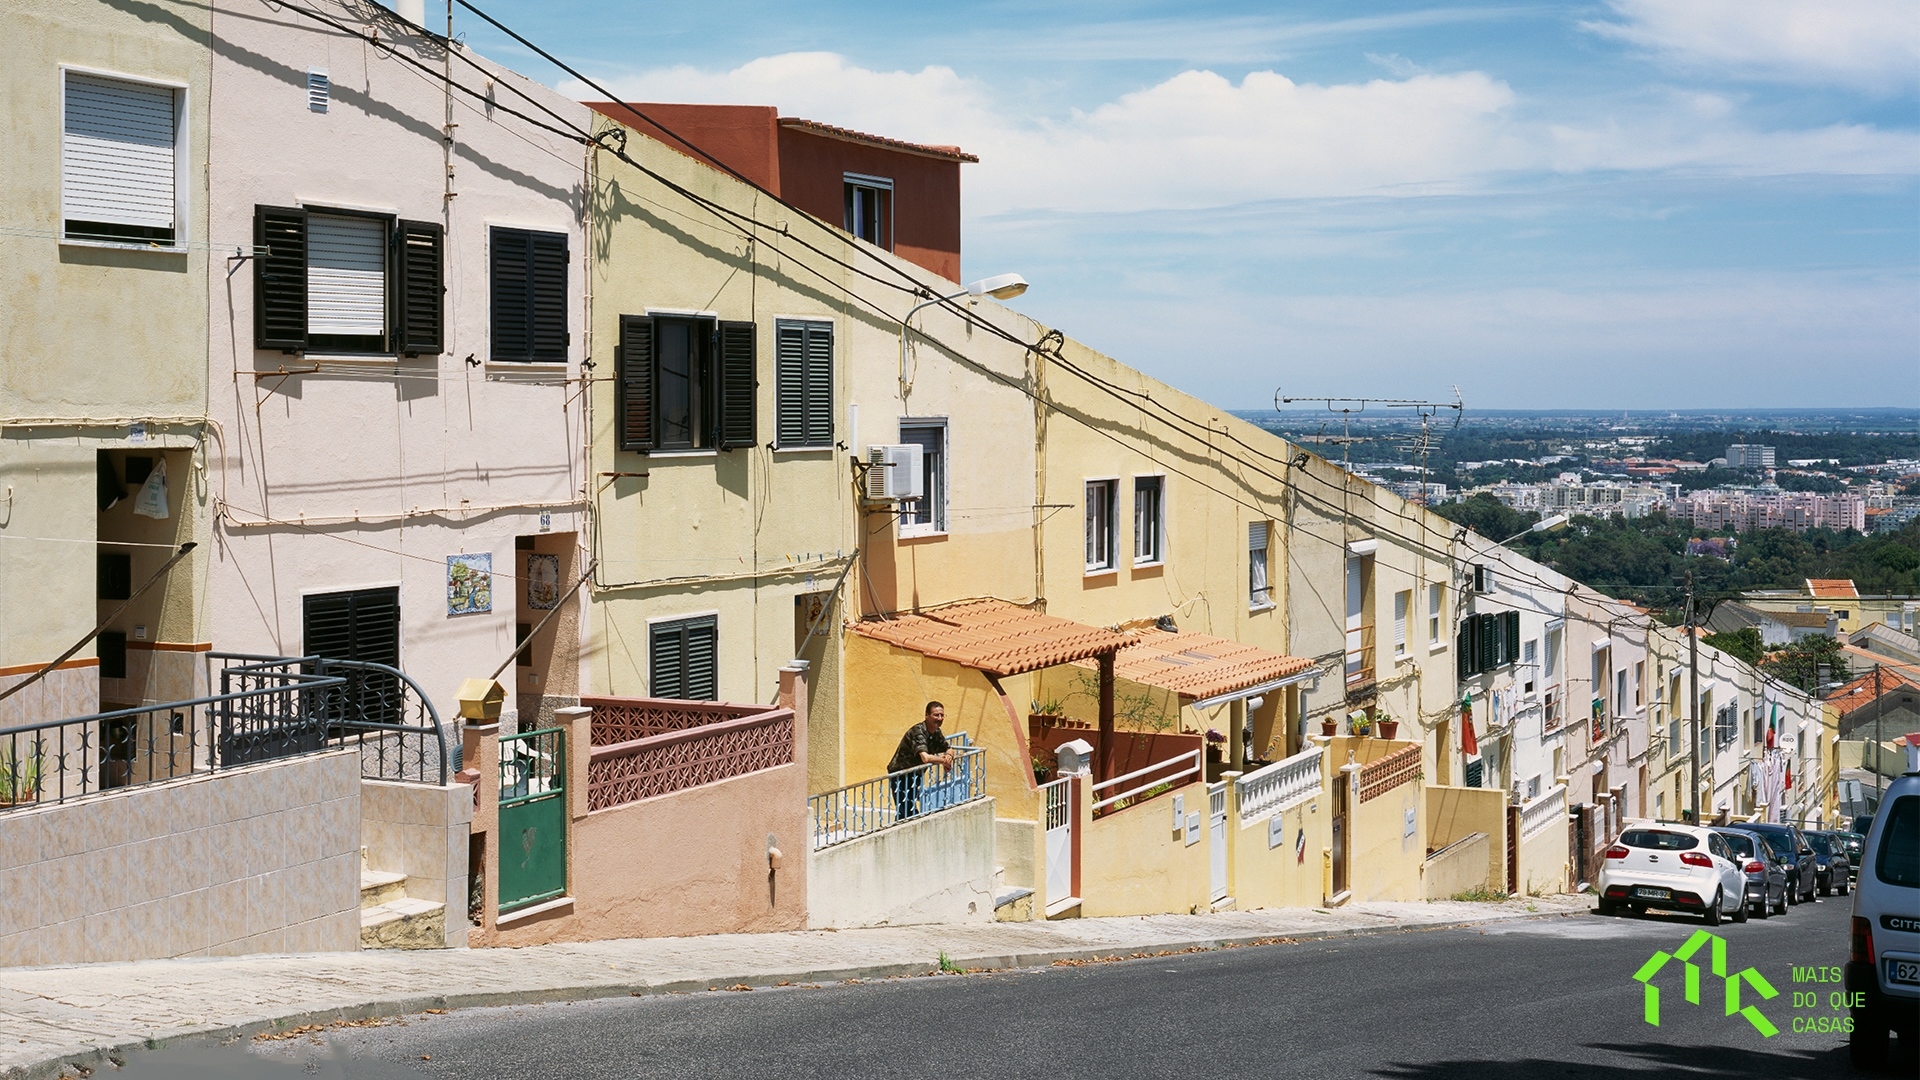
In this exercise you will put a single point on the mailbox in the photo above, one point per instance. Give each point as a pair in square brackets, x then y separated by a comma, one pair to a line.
[1075, 757]
[480, 699]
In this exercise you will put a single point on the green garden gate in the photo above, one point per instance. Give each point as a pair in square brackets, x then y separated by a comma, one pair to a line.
[533, 818]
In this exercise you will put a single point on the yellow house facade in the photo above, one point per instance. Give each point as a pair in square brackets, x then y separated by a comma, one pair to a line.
[103, 353]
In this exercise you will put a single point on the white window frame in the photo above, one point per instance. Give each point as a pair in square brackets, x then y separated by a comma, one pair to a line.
[877, 183]
[182, 166]
[938, 523]
[1159, 522]
[1436, 616]
[1110, 560]
[1402, 614]
[1255, 601]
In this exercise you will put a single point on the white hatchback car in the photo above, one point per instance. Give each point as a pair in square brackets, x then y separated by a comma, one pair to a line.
[1675, 867]
[1883, 963]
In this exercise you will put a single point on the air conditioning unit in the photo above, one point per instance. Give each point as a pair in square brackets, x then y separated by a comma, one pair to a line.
[895, 473]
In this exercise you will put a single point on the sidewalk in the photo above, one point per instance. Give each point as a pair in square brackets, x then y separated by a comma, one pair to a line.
[52, 1017]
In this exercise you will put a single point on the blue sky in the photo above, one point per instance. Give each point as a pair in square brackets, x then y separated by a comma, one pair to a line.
[1623, 204]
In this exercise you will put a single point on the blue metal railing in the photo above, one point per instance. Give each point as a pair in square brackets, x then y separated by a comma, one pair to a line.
[872, 805]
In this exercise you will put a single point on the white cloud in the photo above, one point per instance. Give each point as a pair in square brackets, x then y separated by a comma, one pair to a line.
[1199, 139]
[1873, 44]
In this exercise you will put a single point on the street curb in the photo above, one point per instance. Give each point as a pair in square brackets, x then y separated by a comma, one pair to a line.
[70, 1062]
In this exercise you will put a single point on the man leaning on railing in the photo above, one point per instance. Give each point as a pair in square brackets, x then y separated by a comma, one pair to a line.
[921, 745]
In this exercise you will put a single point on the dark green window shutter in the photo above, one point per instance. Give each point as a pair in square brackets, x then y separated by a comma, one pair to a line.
[420, 292]
[1463, 654]
[547, 297]
[702, 661]
[1489, 641]
[737, 385]
[511, 336]
[682, 662]
[634, 366]
[803, 383]
[790, 383]
[820, 384]
[362, 625]
[280, 278]
[1512, 636]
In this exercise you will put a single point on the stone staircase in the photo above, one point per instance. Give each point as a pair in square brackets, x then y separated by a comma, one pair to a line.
[390, 919]
[1011, 903]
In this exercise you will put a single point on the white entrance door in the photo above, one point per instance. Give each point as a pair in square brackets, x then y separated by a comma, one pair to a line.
[1059, 825]
[1217, 819]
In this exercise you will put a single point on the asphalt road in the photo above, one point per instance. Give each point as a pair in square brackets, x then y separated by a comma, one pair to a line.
[1547, 998]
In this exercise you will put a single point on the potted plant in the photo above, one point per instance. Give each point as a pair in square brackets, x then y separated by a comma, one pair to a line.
[1042, 767]
[1329, 728]
[1359, 724]
[1386, 726]
[1215, 741]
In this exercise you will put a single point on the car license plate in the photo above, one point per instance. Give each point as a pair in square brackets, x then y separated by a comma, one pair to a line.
[1904, 971]
[1650, 894]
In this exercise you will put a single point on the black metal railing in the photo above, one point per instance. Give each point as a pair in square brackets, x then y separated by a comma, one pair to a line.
[268, 707]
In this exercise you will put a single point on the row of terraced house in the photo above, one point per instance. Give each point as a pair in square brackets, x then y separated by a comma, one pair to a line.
[517, 520]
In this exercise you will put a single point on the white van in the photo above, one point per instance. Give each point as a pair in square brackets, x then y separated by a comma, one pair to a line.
[1883, 962]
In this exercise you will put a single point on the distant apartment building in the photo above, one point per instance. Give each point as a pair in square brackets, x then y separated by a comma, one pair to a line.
[1749, 456]
[1603, 498]
[1745, 511]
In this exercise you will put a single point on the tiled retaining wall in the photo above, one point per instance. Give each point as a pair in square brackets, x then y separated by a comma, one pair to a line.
[260, 859]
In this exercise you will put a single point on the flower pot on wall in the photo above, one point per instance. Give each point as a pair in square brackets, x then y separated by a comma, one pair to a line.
[1387, 729]
[1329, 727]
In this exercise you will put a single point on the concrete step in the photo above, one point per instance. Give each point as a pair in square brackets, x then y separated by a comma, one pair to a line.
[404, 923]
[1225, 903]
[1007, 894]
[379, 886]
[1067, 907]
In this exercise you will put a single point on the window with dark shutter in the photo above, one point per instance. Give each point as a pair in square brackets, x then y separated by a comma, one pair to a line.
[1511, 621]
[737, 385]
[419, 295]
[528, 292]
[635, 385]
[682, 662]
[280, 278]
[361, 625]
[803, 384]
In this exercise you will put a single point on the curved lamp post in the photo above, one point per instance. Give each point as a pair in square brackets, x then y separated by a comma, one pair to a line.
[1545, 524]
[1000, 287]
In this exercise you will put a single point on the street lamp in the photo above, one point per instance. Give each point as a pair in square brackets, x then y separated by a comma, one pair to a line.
[1000, 287]
[1545, 524]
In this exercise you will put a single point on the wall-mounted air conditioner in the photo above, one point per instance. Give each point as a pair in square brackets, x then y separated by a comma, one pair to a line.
[895, 473]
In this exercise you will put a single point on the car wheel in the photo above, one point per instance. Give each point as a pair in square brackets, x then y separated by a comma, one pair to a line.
[1843, 888]
[1761, 910]
[1793, 892]
[1781, 907]
[1605, 908]
[1712, 916]
[1867, 1043]
[1740, 913]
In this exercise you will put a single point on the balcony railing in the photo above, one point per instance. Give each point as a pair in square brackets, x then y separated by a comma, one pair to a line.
[1539, 814]
[867, 807]
[1280, 784]
[269, 707]
[1156, 779]
[729, 741]
[1382, 775]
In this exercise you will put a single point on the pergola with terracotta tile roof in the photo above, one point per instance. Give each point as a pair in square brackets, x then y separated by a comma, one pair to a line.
[998, 639]
[1205, 670]
[1832, 589]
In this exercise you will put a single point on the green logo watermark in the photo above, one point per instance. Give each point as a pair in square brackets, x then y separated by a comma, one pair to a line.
[1718, 965]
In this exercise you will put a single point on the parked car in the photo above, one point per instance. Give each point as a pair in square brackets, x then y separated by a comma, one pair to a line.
[1832, 870]
[1853, 841]
[1766, 874]
[1788, 843]
[1676, 868]
[1883, 958]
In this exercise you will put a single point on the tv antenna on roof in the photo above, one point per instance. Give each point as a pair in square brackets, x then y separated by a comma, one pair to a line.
[1421, 444]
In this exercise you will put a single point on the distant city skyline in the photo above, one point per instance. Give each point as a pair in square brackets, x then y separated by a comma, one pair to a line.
[1622, 204]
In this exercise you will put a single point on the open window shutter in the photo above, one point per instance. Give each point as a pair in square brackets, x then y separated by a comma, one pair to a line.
[280, 278]
[702, 676]
[790, 384]
[736, 379]
[1489, 641]
[1464, 650]
[667, 661]
[547, 297]
[420, 292]
[819, 401]
[1512, 628]
[511, 324]
[635, 385]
